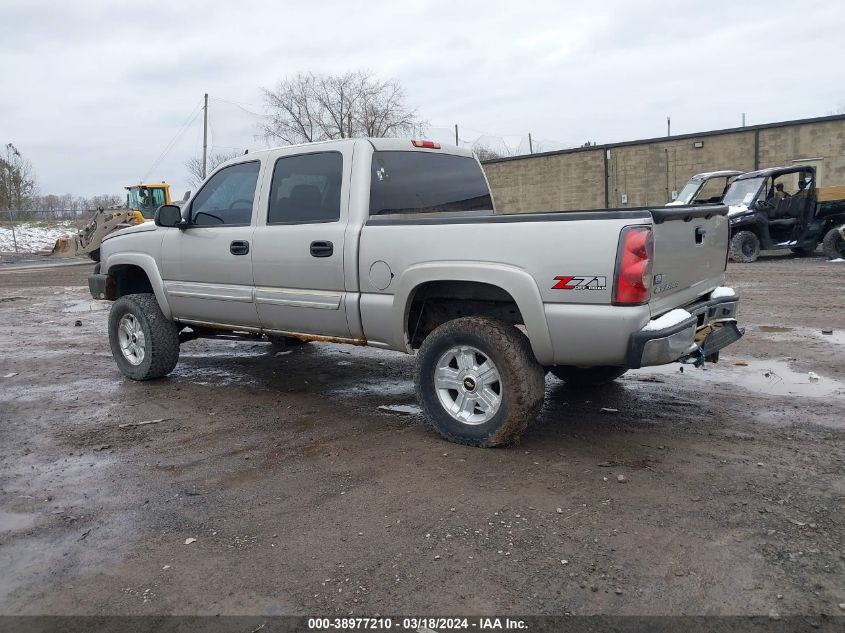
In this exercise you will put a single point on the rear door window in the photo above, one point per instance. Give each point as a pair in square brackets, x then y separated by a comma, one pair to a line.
[423, 182]
[306, 189]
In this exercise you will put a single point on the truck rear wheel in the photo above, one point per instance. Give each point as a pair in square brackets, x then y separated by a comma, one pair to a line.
[833, 245]
[587, 376]
[478, 381]
[745, 247]
[144, 343]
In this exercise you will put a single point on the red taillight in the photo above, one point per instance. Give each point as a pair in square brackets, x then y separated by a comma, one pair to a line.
[634, 265]
[425, 144]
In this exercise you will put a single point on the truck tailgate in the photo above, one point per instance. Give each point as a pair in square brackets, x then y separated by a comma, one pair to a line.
[690, 253]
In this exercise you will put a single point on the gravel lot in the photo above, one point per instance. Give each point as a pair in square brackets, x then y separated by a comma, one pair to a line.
[304, 496]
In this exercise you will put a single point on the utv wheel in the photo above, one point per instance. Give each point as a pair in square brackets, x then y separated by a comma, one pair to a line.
[478, 382]
[745, 247]
[804, 251]
[144, 343]
[95, 255]
[587, 376]
[833, 245]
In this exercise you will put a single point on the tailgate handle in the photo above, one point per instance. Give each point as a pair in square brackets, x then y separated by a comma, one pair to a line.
[322, 249]
[699, 235]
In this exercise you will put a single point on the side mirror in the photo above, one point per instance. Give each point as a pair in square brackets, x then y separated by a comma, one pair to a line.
[168, 215]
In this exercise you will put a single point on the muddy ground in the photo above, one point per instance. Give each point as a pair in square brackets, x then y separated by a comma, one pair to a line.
[305, 497]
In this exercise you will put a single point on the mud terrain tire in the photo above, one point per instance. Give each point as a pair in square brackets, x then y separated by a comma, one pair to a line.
[833, 245]
[745, 247]
[137, 323]
[488, 344]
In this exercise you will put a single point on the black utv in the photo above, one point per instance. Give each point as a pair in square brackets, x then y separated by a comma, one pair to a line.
[778, 209]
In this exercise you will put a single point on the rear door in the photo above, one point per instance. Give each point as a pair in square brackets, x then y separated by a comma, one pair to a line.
[690, 254]
[298, 251]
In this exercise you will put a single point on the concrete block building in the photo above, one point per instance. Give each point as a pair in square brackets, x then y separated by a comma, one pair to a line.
[648, 172]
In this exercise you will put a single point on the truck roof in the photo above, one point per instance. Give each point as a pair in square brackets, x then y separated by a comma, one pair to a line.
[379, 144]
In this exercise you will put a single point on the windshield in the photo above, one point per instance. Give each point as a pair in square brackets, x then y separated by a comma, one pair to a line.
[687, 193]
[742, 191]
[424, 182]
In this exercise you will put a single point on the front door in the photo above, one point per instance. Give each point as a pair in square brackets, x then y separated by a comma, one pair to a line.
[207, 267]
[298, 246]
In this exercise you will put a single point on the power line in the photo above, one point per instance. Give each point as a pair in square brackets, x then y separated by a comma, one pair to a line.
[172, 143]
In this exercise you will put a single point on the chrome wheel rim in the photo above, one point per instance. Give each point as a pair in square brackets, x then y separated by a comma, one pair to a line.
[468, 385]
[130, 335]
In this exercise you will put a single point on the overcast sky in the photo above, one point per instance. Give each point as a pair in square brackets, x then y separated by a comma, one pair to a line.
[92, 92]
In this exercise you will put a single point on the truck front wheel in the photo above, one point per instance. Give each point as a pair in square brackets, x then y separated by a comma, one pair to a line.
[833, 244]
[587, 376]
[144, 343]
[745, 247]
[478, 381]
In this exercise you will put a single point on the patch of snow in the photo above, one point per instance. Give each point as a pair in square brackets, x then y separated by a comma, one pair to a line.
[722, 291]
[667, 320]
[838, 260]
[32, 238]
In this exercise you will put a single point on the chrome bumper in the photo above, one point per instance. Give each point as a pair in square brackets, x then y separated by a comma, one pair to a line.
[710, 327]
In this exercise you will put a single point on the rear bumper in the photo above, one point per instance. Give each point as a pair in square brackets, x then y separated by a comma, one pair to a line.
[710, 327]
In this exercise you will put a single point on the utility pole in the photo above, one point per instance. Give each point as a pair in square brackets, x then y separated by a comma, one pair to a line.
[456, 134]
[668, 126]
[743, 119]
[530, 144]
[204, 135]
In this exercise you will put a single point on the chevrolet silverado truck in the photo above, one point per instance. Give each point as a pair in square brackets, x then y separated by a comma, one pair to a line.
[396, 244]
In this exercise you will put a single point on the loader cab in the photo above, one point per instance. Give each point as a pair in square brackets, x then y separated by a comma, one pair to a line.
[146, 198]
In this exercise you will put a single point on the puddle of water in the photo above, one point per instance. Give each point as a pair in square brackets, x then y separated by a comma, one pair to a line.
[770, 377]
[85, 306]
[16, 521]
[408, 409]
[381, 388]
[774, 328]
[836, 337]
[60, 391]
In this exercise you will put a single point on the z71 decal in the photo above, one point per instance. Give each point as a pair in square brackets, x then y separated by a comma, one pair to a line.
[573, 282]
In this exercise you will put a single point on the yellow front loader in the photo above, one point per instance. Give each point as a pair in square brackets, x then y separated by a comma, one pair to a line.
[141, 204]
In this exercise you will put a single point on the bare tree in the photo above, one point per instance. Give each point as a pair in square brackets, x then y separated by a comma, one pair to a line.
[310, 107]
[483, 152]
[17, 180]
[194, 165]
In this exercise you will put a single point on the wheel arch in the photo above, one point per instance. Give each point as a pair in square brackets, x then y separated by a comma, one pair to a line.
[506, 283]
[138, 272]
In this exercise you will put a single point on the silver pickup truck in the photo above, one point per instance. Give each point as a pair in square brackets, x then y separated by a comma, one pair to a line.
[396, 244]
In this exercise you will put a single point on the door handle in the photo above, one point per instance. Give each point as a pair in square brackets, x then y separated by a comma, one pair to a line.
[322, 249]
[239, 247]
[700, 233]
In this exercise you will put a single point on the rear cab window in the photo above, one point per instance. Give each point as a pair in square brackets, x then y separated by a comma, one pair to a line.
[426, 182]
